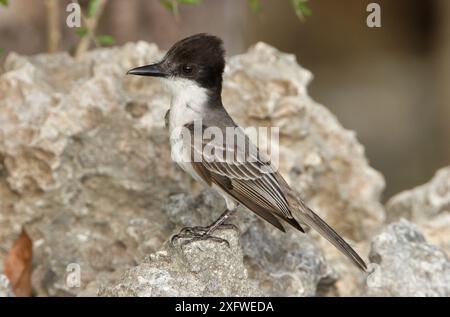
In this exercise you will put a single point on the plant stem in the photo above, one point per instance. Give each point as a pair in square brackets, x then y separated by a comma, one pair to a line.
[91, 25]
[53, 27]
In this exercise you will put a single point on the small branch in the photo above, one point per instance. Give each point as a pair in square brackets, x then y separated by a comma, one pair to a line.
[91, 26]
[176, 11]
[53, 27]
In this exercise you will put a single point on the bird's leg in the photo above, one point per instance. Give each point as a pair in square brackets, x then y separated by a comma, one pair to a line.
[191, 234]
[220, 221]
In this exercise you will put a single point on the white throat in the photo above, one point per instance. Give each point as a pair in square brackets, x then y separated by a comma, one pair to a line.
[188, 101]
[187, 104]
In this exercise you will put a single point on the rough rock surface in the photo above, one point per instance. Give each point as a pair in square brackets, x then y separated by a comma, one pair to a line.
[407, 264]
[201, 268]
[422, 202]
[427, 205]
[85, 166]
[282, 264]
[5, 287]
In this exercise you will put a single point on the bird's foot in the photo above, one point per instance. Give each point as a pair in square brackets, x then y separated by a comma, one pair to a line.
[191, 234]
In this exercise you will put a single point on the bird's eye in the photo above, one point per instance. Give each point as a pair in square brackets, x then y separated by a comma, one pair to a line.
[188, 69]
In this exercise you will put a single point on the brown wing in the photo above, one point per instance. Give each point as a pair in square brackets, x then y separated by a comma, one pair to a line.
[255, 184]
[243, 175]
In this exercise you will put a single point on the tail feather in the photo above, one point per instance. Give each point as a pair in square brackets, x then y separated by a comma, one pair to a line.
[313, 220]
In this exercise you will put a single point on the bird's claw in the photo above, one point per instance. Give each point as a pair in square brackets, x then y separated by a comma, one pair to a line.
[192, 234]
[193, 230]
[189, 238]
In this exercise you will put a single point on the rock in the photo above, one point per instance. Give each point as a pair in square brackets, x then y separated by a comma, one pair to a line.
[281, 264]
[85, 166]
[406, 265]
[79, 167]
[422, 202]
[289, 264]
[437, 231]
[350, 280]
[5, 287]
[427, 205]
[201, 268]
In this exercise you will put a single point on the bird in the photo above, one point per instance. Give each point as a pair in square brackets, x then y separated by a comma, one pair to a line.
[192, 70]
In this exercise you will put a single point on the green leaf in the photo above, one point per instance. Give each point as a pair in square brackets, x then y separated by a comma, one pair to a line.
[4, 3]
[189, 1]
[168, 5]
[2, 51]
[301, 8]
[92, 7]
[82, 32]
[305, 10]
[255, 5]
[105, 40]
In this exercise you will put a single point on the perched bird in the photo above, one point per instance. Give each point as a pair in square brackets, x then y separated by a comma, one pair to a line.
[192, 70]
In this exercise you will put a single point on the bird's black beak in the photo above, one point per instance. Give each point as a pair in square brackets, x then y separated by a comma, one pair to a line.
[153, 70]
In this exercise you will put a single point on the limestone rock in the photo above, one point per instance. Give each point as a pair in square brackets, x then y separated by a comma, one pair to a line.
[85, 166]
[422, 202]
[427, 205]
[437, 231]
[281, 264]
[350, 280]
[5, 287]
[201, 268]
[406, 265]
[80, 169]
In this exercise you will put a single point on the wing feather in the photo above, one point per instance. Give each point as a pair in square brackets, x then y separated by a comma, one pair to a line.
[249, 177]
[260, 188]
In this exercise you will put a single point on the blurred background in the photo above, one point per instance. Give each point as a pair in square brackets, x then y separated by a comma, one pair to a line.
[389, 84]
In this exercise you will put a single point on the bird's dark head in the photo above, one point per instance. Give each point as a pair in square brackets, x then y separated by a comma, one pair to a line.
[198, 58]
